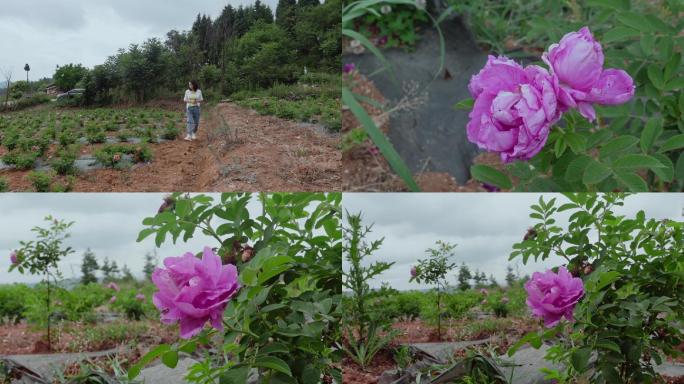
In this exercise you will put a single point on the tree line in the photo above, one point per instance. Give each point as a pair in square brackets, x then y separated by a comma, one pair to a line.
[110, 270]
[243, 48]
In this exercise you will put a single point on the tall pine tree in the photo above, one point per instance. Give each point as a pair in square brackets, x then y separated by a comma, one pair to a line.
[89, 267]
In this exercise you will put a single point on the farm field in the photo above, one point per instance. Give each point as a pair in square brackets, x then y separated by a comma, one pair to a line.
[552, 308]
[140, 149]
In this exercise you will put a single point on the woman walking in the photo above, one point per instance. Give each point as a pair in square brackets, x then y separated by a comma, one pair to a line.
[193, 98]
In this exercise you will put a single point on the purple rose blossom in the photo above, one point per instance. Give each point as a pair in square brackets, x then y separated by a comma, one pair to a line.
[194, 291]
[13, 257]
[553, 295]
[414, 271]
[576, 63]
[348, 68]
[113, 286]
[112, 300]
[484, 291]
[140, 297]
[514, 108]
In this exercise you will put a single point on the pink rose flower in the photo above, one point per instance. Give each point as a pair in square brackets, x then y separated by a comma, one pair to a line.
[484, 291]
[514, 108]
[140, 297]
[348, 68]
[13, 257]
[194, 291]
[576, 63]
[553, 295]
[112, 300]
[414, 271]
[113, 286]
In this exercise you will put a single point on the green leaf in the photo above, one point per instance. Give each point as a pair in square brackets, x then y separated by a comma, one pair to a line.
[134, 370]
[595, 173]
[634, 20]
[618, 145]
[636, 162]
[648, 44]
[235, 375]
[653, 130]
[580, 358]
[676, 83]
[655, 74]
[618, 34]
[667, 172]
[632, 181]
[170, 359]
[674, 142]
[576, 142]
[489, 175]
[465, 104]
[145, 233]
[183, 207]
[274, 363]
[576, 168]
[533, 338]
[380, 140]
[609, 345]
[679, 168]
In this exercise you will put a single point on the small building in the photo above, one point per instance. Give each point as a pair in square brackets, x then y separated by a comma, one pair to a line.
[52, 90]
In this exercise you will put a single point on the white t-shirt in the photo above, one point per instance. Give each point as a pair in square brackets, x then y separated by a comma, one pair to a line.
[193, 99]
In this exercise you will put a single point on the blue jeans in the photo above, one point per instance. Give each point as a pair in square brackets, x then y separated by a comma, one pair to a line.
[193, 114]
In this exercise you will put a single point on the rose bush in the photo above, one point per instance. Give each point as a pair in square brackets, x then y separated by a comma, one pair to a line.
[632, 270]
[282, 325]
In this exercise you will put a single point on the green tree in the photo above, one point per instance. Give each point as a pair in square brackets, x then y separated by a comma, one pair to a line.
[286, 14]
[67, 76]
[126, 274]
[434, 271]
[40, 256]
[511, 277]
[464, 277]
[89, 267]
[210, 77]
[150, 264]
[264, 56]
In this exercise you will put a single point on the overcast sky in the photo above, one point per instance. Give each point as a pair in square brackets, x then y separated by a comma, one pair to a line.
[107, 223]
[484, 225]
[46, 33]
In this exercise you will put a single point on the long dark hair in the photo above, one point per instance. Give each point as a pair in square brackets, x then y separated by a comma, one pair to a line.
[195, 85]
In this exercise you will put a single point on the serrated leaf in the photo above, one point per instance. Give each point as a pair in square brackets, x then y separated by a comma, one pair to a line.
[580, 358]
[634, 20]
[655, 74]
[674, 142]
[274, 363]
[595, 173]
[489, 175]
[618, 145]
[632, 181]
[651, 132]
[618, 34]
[575, 170]
[636, 162]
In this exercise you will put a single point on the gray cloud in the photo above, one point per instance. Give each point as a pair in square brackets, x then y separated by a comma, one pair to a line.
[46, 33]
[485, 226]
[107, 223]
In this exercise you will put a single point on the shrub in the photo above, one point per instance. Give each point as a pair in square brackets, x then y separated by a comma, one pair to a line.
[4, 186]
[13, 299]
[64, 162]
[95, 134]
[170, 131]
[21, 160]
[40, 180]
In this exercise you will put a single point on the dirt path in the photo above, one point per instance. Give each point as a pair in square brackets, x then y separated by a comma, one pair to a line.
[268, 154]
